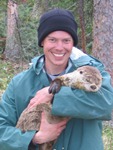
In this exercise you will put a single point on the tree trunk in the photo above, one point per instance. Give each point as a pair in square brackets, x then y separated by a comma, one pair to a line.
[13, 43]
[103, 33]
[40, 6]
[82, 25]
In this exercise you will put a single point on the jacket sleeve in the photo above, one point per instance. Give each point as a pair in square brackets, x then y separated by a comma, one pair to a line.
[85, 105]
[11, 138]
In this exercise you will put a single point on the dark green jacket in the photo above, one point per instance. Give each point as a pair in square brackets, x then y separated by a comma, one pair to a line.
[83, 131]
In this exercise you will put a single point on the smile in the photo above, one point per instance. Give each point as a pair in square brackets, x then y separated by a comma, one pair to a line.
[58, 55]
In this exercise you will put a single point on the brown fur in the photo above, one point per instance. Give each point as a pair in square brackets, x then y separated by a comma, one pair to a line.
[86, 78]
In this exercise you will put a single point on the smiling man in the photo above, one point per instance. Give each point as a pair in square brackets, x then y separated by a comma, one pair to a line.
[57, 35]
[57, 47]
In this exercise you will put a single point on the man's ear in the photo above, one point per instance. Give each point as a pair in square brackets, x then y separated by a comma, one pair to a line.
[42, 44]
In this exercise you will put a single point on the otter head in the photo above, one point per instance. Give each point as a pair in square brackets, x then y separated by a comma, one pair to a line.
[86, 78]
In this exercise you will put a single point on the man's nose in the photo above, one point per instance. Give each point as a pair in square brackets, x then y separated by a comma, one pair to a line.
[59, 45]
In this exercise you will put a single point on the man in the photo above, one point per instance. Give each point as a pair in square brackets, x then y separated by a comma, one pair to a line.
[57, 34]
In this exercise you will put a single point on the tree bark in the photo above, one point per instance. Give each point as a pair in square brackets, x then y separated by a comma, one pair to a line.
[13, 43]
[103, 33]
[82, 25]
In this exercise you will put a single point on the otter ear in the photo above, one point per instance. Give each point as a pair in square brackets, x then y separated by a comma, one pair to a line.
[55, 86]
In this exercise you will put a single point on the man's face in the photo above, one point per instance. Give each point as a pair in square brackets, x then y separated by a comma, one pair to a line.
[57, 47]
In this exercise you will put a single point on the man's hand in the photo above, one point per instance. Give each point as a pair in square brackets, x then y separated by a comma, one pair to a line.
[42, 96]
[48, 132]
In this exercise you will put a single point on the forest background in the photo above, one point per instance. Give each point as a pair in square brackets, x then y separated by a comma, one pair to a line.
[18, 36]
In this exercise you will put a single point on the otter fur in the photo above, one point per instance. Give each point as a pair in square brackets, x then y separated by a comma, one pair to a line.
[86, 78]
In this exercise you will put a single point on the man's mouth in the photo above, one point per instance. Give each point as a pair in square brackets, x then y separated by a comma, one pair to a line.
[58, 55]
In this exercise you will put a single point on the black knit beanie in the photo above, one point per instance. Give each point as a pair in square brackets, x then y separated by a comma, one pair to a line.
[54, 20]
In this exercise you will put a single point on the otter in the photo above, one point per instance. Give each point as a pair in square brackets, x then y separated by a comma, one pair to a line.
[87, 78]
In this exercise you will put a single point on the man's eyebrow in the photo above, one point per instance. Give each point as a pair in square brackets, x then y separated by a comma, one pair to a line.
[56, 38]
[50, 36]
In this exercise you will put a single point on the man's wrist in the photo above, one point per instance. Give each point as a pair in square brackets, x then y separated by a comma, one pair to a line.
[36, 138]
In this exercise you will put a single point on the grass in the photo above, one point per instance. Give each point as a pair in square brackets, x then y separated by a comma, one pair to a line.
[6, 73]
[108, 137]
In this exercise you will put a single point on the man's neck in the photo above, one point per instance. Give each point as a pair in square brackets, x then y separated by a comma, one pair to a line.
[54, 70]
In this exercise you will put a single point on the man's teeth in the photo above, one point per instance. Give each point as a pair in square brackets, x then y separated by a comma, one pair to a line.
[58, 55]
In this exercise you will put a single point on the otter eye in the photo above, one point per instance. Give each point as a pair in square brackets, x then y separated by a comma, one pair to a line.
[81, 72]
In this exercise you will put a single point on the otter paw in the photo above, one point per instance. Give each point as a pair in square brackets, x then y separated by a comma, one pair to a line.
[55, 86]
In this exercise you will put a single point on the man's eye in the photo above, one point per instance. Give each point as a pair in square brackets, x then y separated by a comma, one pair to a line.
[52, 40]
[66, 40]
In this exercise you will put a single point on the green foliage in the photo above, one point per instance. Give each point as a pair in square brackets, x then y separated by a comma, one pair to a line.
[108, 137]
[2, 25]
[67, 4]
[28, 32]
[3, 12]
[6, 73]
[3, 5]
[88, 11]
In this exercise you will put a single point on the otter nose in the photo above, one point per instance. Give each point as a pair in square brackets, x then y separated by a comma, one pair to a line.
[93, 87]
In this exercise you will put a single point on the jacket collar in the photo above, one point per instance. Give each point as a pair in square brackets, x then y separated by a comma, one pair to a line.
[38, 63]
